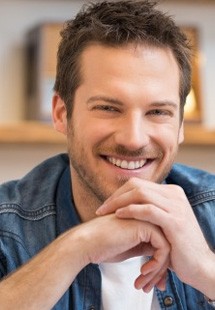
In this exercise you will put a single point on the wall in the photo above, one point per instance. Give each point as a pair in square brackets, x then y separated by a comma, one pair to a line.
[17, 16]
[201, 16]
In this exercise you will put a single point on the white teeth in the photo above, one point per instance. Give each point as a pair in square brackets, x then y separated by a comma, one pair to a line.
[137, 164]
[124, 164]
[118, 163]
[131, 165]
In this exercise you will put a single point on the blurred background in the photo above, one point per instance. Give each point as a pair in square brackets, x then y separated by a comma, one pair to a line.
[29, 34]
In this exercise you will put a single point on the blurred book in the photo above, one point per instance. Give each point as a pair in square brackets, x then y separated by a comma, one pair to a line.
[41, 51]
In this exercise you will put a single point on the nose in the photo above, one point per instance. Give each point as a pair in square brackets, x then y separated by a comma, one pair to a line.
[132, 132]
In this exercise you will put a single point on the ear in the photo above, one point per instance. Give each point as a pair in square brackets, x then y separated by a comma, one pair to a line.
[59, 114]
[181, 133]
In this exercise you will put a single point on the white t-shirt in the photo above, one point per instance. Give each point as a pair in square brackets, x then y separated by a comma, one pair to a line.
[118, 291]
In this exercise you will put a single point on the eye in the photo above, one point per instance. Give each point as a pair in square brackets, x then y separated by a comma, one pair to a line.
[160, 112]
[106, 108]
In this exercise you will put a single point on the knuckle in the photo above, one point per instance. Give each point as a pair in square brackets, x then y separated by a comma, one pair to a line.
[177, 189]
[139, 194]
[165, 246]
[148, 210]
[133, 181]
[162, 274]
[130, 209]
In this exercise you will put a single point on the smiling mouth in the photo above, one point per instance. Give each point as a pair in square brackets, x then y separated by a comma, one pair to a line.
[128, 165]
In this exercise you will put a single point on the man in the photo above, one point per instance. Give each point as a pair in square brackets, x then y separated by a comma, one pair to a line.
[115, 210]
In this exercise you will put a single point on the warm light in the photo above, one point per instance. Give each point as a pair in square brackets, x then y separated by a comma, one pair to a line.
[191, 105]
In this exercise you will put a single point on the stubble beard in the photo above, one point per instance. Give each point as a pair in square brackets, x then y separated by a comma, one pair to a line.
[95, 188]
[91, 186]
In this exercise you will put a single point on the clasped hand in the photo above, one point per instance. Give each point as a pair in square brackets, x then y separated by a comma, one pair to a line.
[167, 209]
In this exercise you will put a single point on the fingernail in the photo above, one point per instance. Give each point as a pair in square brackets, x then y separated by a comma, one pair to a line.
[100, 210]
[119, 212]
[147, 288]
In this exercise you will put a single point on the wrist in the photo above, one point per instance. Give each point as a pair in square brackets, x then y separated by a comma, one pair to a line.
[205, 281]
[74, 245]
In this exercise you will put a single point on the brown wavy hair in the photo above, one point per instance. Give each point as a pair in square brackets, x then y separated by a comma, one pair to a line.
[115, 24]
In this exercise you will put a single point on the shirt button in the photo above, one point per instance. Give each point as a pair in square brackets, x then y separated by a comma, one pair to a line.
[92, 308]
[168, 301]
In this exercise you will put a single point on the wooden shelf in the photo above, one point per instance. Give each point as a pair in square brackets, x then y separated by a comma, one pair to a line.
[196, 134]
[34, 132]
[30, 132]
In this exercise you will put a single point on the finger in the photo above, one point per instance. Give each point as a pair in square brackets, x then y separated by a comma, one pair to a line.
[147, 213]
[148, 188]
[108, 206]
[119, 200]
[156, 278]
[155, 266]
[155, 269]
[161, 285]
[134, 196]
[137, 194]
[151, 280]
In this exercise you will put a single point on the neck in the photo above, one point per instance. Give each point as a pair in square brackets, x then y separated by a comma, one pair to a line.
[85, 202]
[85, 206]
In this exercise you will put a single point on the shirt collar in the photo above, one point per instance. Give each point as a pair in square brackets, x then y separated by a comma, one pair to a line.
[67, 216]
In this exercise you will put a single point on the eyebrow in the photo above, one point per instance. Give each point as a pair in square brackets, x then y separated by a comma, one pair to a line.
[165, 103]
[157, 104]
[105, 99]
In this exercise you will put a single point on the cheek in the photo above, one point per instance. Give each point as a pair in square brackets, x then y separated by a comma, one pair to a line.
[167, 139]
[85, 138]
[95, 131]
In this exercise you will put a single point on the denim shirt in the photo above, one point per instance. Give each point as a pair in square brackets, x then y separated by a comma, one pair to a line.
[39, 207]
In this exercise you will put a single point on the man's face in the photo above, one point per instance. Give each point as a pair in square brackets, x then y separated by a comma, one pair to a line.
[126, 118]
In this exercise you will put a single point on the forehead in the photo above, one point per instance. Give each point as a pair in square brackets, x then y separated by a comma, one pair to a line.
[134, 75]
[135, 56]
